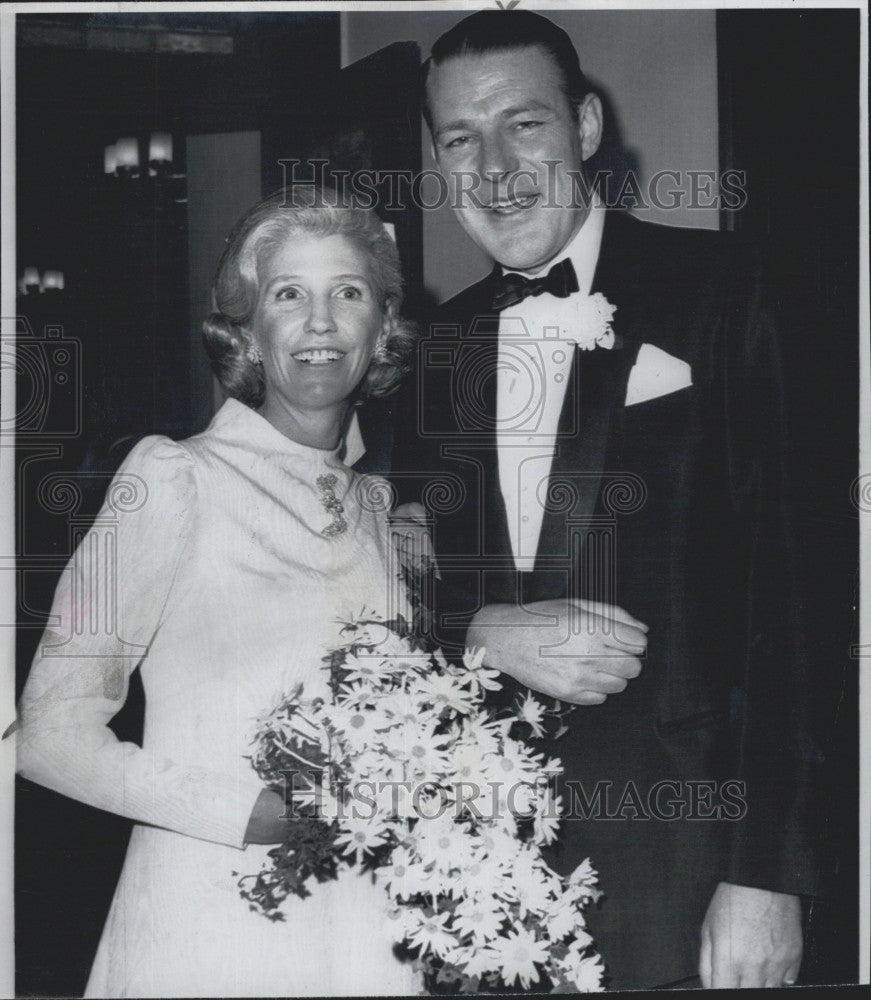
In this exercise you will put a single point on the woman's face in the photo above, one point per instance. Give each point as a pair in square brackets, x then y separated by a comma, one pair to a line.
[316, 323]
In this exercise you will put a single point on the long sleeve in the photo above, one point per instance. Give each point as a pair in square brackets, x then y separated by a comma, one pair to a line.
[779, 728]
[109, 604]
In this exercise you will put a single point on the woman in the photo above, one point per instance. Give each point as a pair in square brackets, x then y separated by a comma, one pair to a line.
[236, 552]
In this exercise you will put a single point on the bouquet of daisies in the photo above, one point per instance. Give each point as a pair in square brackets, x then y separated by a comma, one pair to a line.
[404, 770]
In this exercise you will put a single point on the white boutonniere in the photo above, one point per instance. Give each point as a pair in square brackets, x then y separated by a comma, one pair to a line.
[594, 315]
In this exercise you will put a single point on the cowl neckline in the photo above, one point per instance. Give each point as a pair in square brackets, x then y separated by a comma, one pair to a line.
[248, 427]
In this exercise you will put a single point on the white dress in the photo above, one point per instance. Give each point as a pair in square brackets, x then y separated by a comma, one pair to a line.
[209, 559]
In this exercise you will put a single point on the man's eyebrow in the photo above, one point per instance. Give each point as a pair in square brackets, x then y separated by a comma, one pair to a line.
[465, 124]
[525, 108]
[460, 125]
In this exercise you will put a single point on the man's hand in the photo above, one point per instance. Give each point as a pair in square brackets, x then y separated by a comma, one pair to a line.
[577, 651]
[750, 937]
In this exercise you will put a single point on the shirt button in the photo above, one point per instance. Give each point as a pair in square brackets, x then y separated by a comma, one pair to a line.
[525, 518]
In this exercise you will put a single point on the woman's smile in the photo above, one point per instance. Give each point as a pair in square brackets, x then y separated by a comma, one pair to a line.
[321, 356]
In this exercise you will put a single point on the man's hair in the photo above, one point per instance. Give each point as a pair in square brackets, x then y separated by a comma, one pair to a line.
[502, 30]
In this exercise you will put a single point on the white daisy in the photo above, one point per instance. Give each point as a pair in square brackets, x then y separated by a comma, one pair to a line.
[518, 762]
[358, 694]
[404, 877]
[359, 836]
[536, 883]
[485, 678]
[442, 842]
[563, 918]
[368, 668]
[548, 816]
[399, 706]
[471, 763]
[487, 878]
[481, 961]
[584, 878]
[357, 727]
[496, 843]
[520, 954]
[480, 917]
[423, 751]
[394, 796]
[431, 933]
[532, 712]
[584, 971]
[486, 736]
[444, 692]
[473, 657]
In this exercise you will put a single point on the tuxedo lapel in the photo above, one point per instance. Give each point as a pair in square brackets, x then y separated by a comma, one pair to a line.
[475, 392]
[591, 415]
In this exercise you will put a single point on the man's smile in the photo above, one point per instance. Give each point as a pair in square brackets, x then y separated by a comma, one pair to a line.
[512, 205]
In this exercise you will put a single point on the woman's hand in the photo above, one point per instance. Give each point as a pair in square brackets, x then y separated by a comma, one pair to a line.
[265, 825]
[410, 531]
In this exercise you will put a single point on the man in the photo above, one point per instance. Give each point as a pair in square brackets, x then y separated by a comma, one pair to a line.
[576, 457]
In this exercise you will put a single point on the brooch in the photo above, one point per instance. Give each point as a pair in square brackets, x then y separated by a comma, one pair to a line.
[326, 485]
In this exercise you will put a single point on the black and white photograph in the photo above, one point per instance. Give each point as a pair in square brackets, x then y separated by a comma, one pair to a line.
[433, 500]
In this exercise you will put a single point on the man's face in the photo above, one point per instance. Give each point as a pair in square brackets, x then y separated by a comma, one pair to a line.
[496, 119]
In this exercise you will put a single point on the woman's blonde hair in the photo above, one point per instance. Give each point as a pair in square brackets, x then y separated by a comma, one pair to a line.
[264, 229]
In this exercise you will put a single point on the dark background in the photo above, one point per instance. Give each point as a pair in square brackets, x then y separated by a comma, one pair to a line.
[779, 73]
[788, 116]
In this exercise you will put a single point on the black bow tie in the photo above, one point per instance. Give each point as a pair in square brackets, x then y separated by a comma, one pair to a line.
[512, 288]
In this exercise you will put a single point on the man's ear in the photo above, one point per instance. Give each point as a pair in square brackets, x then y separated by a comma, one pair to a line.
[590, 125]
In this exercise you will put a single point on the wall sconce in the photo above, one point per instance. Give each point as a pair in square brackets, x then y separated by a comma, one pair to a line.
[32, 284]
[127, 158]
[122, 158]
[162, 186]
[52, 281]
[30, 281]
[159, 151]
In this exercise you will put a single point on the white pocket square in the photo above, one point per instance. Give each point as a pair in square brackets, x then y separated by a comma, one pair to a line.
[656, 373]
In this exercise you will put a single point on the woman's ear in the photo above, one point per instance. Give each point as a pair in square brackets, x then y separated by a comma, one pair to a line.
[388, 325]
[379, 354]
[252, 351]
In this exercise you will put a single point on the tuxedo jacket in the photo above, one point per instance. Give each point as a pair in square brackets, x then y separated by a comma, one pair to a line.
[674, 508]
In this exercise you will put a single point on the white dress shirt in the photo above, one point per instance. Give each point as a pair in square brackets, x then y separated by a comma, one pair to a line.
[537, 340]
